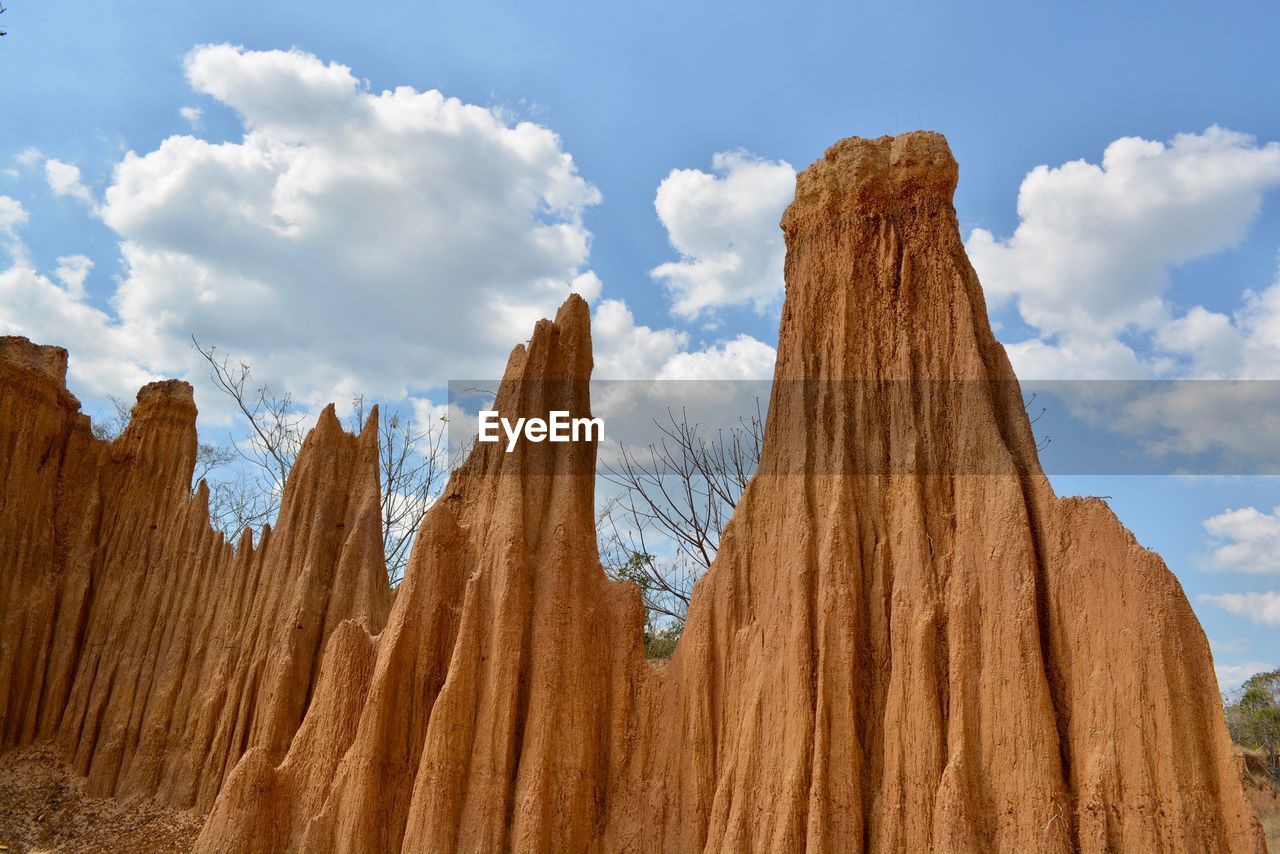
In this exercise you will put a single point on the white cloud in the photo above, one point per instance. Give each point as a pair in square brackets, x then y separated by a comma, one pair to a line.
[1232, 676]
[12, 215]
[350, 240]
[353, 241]
[425, 413]
[29, 157]
[740, 358]
[725, 226]
[64, 180]
[625, 350]
[72, 271]
[588, 286]
[105, 358]
[1260, 608]
[1075, 359]
[1246, 540]
[193, 116]
[1090, 258]
[1213, 345]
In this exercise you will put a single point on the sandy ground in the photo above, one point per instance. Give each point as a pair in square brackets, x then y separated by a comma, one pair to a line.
[42, 808]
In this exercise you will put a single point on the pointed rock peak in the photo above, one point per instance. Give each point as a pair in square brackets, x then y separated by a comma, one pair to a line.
[559, 349]
[551, 373]
[327, 428]
[48, 360]
[369, 432]
[869, 177]
[321, 446]
[515, 361]
[574, 313]
[558, 354]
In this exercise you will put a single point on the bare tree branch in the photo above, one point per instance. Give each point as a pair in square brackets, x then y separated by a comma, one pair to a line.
[412, 465]
[277, 433]
[684, 490]
[113, 425]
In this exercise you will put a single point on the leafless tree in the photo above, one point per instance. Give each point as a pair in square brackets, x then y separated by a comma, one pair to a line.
[208, 458]
[665, 583]
[238, 503]
[114, 423]
[250, 497]
[682, 489]
[275, 428]
[413, 463]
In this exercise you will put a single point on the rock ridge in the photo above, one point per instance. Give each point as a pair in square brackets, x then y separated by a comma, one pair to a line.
[151, 651]
[898, 657]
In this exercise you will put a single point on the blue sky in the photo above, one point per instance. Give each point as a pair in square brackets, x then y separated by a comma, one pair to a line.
[633, 92]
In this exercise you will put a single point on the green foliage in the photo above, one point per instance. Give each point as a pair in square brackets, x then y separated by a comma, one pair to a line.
[661, 642]
[1253, 717]
[636, 569]
[639, 568]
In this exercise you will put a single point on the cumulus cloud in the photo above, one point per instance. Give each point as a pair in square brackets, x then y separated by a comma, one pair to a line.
[724, 224]
[739, 358]
[29, 157]
[72, 271]
[64, 180]
[626, 350]
[106, 359]
[1232, 676]
[1089, 261]
[1213, 345]
[349, 239]
[12, 215]
[1260, 608]
[193, 116]
[1245, 540]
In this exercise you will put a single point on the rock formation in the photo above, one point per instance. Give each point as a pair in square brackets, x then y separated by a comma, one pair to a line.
[152, 651]
[906, 643]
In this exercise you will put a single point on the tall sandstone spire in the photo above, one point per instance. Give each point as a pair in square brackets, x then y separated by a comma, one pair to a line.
[906, 643]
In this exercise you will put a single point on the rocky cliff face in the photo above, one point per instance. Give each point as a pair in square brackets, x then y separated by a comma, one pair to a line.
[906, 643]
[152, 651]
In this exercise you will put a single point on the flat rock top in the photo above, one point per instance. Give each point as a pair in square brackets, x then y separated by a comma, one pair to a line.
[166, 389]
[48, 360]
[870, 176]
